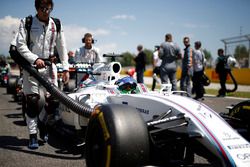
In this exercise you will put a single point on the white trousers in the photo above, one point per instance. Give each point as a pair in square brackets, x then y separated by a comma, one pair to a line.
[31, 86]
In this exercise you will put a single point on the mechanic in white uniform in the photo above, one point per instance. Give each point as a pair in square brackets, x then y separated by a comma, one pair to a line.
[43, 39]
[87, 53]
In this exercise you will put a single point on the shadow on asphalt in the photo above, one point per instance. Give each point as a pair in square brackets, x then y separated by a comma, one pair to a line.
[65, 145]
[20, 145]
[62, 145]
[19, 123]
[17, 116]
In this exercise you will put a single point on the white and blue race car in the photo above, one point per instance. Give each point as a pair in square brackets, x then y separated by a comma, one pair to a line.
[128, 125]
[132, 126]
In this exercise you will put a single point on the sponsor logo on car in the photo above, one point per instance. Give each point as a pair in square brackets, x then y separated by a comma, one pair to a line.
[228, 136]
[145, 111]
[239, 146]
[245, 156]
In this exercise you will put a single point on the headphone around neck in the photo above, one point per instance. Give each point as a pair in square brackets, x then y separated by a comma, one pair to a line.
[88, 35]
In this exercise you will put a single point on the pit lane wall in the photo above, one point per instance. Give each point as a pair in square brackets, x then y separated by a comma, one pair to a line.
[242, 75]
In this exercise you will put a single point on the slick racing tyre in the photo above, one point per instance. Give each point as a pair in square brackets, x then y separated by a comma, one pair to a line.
[117, 136]
[11, 86]
[241, 112]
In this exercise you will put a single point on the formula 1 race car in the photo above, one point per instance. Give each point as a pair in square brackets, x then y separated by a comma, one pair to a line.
[128, 125]
[15, 87]
[4, 76]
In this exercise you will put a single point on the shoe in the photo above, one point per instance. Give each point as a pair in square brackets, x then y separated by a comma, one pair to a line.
[33, 142]
[80, 142]
[220, 95]
[199, 98]
[43, 134]
[155, 77]
[44, 137]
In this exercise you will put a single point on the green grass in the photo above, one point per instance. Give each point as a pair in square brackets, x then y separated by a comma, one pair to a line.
[233, 94]
[215, 92]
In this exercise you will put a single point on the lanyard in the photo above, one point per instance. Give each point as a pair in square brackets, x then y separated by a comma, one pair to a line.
[52, 39]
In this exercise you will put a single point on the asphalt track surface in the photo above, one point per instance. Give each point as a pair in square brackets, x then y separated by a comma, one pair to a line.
[59, 151]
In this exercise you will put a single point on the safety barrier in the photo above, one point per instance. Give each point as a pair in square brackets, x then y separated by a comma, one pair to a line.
[242, 75]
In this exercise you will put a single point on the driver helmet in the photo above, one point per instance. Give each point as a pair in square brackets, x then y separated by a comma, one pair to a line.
[126, 84]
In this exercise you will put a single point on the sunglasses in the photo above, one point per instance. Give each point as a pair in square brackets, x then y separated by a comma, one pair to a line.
[45, 9]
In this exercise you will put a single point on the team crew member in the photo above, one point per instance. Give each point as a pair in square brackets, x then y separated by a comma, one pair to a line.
[198, 63]
[88, 53]
[140, 64]
[223, 63]
[187, 67]
[156, 65]
[42, 40]
[169, 53]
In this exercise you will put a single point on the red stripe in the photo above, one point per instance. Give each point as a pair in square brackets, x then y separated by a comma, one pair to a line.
[143, 88]
[52, 38]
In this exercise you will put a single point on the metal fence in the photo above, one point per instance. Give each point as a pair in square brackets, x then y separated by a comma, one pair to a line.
[238, 41]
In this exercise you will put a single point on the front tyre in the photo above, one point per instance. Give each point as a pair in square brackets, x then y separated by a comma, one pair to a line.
[241, 111]
[116, 136]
